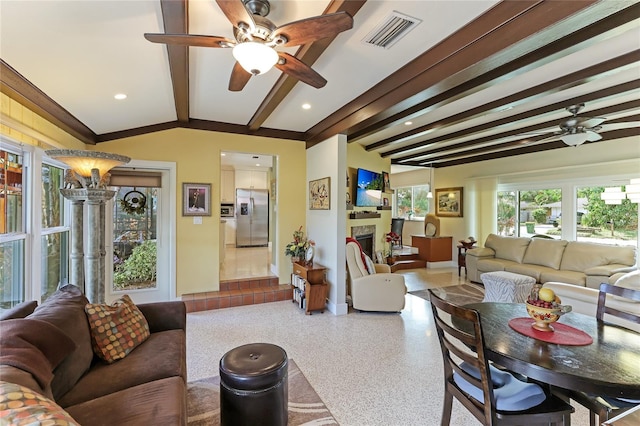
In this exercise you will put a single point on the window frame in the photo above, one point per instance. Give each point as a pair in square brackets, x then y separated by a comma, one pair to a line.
[413, 216]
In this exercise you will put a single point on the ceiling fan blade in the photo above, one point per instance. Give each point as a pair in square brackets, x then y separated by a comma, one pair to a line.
[236, 12]
[298, 69]
[239, 78]
[590, 121]
[593, 136]
[311, 29]
[190, 40]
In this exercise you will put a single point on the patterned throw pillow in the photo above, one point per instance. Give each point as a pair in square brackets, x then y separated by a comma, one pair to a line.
[20, 405]
[116, 329]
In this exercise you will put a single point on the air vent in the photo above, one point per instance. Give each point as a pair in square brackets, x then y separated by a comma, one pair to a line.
[391, 29]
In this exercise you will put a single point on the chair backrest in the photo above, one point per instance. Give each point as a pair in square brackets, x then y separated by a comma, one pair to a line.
[464, 345]
[397, 223]
[622, 292]
[431, 225]
[355, 265]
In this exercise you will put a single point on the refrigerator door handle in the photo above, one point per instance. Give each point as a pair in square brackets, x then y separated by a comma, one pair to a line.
[251, 204]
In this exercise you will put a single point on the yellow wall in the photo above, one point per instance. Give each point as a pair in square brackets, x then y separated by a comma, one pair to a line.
[358, 157]
[197, 157]
[196, 154]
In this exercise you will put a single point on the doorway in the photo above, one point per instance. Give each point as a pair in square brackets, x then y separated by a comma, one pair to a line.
[140, 234]
[247, 171]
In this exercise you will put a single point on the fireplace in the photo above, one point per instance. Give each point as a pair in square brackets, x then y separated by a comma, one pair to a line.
[366, 236]
[366, 242]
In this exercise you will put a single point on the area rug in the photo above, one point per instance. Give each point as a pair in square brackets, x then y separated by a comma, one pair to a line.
[457, 294]
[305, 406]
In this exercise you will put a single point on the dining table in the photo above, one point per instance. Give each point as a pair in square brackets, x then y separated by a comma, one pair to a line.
[609, 366]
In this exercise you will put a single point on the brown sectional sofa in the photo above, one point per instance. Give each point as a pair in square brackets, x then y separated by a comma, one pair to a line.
[578, 263]
[147, 387]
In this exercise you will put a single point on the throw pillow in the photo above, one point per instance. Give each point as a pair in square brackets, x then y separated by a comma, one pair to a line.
[116, 329]
[22, 406]
[371, 267]
[34, 346]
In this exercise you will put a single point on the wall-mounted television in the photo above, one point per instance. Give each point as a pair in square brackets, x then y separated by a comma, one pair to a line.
[368, 188]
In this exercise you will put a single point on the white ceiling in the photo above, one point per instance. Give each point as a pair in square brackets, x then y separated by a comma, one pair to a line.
[81, 53]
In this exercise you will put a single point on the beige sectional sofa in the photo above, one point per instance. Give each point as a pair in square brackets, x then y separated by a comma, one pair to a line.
[572, 262]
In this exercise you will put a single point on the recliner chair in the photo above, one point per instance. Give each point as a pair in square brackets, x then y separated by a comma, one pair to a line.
[375, 290]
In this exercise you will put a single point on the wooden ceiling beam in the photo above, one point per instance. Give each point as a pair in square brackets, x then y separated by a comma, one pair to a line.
[505, 24]
[440, 95]
[610, 135]
[424, 146]
[175, 17]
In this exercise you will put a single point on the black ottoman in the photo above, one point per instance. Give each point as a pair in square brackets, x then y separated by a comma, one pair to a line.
[254, 385]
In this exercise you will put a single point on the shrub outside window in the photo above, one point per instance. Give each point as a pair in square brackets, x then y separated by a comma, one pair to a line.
[412, 201]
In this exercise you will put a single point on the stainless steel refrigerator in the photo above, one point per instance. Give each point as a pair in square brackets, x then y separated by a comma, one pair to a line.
[252, 214]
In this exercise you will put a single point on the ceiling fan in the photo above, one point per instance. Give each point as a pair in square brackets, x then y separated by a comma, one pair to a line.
[256, 38]
[577, 130]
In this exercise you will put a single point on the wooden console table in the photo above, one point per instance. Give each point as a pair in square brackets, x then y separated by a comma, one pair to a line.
[433, 249]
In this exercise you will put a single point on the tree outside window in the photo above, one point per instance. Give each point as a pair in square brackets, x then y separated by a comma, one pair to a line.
[412, 201]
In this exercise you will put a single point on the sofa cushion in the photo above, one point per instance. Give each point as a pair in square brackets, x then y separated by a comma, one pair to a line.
[532, 271]
[630, 280]
[545, 252]
[34, 346]
[65, 310]
[20, 377]
[580, 256]
[21, 310]
[162, 355]
[161, 402]
[509, 248]
[20, 405]
[493, 265]
[570, 277]
[116, 329]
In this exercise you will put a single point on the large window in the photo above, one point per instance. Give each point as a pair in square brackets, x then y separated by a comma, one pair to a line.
[412, 201]
[583, 217]
[598, 221]
[529, 213]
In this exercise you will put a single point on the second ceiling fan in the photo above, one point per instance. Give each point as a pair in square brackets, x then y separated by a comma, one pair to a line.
[256, 38]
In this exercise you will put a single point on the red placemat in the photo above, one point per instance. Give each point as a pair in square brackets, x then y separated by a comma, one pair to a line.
[563, 335]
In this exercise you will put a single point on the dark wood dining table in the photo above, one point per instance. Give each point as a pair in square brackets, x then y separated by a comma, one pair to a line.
[610, 366]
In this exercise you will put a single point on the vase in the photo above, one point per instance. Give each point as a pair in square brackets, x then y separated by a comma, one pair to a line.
[295, 259]
[391, 260]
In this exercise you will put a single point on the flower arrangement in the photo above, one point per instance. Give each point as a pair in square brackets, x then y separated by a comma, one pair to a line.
[393, 239]
[299, 245]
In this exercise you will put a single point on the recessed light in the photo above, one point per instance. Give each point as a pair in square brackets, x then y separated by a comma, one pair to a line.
[120, 96]
[408, 123]
[306, 106]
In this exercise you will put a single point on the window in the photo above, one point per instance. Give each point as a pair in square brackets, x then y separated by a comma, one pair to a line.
[583, 216]
[54, 236]
[605, 223]
[12, 230]
[412, 201]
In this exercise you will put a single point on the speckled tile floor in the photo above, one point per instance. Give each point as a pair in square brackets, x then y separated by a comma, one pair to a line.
[368, 368]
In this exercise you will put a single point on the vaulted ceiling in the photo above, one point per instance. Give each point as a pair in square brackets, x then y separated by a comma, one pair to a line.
[474, 80]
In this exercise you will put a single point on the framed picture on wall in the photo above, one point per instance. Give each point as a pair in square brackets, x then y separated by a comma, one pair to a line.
[319, 194]
[196, 199]
[386, 184]
[449, 202]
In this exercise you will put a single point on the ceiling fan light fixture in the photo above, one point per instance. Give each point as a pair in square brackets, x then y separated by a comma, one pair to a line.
[574, 139]
[256, 58]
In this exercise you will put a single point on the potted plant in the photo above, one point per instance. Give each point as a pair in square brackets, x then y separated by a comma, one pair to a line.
[298, 247]
[393, 240]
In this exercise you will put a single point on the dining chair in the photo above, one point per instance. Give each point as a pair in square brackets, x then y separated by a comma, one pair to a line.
[494, 396]
[397, 223]
[602, 406]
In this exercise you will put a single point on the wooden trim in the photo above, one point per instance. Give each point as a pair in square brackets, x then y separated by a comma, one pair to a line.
[18, 88]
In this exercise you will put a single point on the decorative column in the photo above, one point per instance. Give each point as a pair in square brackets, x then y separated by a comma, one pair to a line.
[86, 184]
